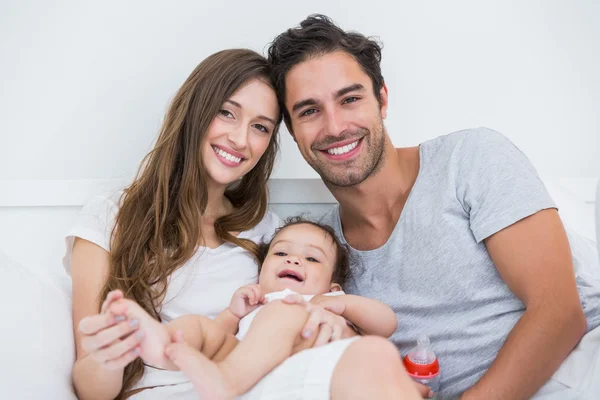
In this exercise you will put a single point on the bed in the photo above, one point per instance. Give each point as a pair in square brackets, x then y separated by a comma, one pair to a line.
[36, 343]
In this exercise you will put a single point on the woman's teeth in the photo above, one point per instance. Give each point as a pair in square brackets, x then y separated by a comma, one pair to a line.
[336, 151]
[226, 155]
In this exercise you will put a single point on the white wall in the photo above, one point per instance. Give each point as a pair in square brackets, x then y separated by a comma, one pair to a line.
[84, 85]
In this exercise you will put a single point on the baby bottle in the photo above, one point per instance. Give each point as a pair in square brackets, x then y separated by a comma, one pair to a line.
[422, 365]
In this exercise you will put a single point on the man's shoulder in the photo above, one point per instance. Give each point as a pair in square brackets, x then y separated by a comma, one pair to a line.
[480, 136]
[464, 147]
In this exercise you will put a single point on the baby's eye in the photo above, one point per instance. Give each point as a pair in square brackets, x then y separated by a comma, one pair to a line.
[312, 259]
[280, 254]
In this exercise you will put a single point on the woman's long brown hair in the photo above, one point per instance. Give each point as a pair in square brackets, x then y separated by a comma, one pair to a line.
[157, 228]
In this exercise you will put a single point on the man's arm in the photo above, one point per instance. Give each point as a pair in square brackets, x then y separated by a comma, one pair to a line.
[534, 259]
[370, 316]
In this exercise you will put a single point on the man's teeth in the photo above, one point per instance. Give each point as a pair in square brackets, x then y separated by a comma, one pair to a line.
[226, 155]
[336, 151]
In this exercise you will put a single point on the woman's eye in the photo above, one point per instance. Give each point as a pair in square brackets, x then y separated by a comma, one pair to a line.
[226, 114]
[308, 112]
[311, 259]
[261, 128]
[280, 254]
[350, 99]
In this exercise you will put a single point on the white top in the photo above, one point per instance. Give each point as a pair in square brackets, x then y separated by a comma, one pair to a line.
[244, 324]
[204, 285]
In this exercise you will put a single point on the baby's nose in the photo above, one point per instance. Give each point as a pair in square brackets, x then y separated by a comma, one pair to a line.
[292, 260]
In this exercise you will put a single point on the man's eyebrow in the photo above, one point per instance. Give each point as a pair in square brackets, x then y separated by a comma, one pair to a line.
[238, 105]
[357, 87]
[312, 102]
[303, 103]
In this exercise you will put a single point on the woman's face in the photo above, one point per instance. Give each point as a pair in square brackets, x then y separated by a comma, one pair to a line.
[240, 133]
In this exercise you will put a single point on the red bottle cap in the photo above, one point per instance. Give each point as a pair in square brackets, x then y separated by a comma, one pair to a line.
[421, 370]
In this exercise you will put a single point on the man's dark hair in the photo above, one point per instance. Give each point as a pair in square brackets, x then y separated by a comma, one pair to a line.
[318, 35]
[341, 268]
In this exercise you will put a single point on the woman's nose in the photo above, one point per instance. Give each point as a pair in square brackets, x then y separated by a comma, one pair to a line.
[239, 138]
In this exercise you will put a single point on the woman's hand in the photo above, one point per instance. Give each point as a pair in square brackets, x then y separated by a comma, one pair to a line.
[110, 339]
[330, 303]
[329, 325]
[246, 299]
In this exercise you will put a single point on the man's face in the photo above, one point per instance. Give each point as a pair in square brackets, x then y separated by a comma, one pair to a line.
[336, 119]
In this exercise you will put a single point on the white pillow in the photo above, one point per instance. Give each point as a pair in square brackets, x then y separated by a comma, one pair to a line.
[36, 338]
[598, 216]
[575, 213]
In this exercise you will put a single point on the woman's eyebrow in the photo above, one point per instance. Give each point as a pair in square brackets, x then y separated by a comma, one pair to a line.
[234, 103]
[238, 105]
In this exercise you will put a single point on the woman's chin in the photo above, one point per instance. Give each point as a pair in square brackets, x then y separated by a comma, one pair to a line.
[223, 179]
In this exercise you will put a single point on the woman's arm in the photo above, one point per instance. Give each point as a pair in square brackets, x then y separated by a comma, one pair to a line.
[91, 378]
[370, 316]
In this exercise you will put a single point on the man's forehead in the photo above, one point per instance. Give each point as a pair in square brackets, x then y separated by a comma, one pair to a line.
[323, 75]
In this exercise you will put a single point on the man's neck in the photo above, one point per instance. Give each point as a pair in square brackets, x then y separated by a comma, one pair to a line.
[379, 200]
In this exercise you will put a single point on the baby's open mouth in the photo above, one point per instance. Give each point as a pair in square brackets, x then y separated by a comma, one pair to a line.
[290, 274]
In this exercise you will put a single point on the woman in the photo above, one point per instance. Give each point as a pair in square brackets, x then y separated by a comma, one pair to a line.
[182, 237]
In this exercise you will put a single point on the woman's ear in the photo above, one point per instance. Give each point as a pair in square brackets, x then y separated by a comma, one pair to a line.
[335, 287]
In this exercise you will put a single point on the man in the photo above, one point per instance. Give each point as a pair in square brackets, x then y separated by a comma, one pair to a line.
[458, 235]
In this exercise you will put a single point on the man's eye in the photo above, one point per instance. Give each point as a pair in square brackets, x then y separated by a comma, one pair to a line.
[350, 99]
[308, 112]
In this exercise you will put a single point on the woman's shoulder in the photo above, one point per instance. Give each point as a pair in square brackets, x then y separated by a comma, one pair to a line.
[108, 200]
[266, 227]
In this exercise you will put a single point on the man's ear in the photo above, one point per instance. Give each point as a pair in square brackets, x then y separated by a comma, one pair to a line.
[335, 287]
[383, 94]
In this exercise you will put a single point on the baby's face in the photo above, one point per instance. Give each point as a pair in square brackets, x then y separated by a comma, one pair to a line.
[301, 258]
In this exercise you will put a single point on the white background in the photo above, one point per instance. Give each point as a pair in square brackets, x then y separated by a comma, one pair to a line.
[84, 85]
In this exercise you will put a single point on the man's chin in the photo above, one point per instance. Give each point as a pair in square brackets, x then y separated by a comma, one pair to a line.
[344, 179]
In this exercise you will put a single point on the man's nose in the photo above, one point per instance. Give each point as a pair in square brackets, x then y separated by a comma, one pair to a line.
[334, 123]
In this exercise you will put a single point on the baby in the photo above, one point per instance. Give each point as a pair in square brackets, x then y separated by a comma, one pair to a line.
[227, 356]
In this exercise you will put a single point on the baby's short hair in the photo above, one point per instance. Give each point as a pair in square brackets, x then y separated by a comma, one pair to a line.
[341, 267]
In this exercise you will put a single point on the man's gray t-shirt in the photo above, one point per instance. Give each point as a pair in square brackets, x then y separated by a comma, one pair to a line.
[435, 271]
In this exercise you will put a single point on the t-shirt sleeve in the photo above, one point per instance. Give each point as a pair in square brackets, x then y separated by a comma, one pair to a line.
[271, 223]
[263, 232]
[497, 185]
[94, 223]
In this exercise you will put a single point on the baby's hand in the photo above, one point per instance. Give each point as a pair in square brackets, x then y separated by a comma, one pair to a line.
[246, 299]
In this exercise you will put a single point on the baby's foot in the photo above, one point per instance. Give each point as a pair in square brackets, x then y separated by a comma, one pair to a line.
[156, 336]
[208, 380]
